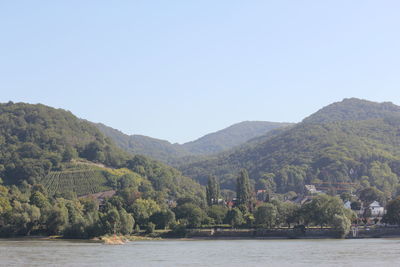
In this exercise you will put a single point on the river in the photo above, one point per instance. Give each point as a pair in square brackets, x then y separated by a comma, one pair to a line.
[325, 252]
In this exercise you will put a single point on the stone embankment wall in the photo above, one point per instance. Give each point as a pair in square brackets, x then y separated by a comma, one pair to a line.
[291, 233]
[263, 233]
[376, 232]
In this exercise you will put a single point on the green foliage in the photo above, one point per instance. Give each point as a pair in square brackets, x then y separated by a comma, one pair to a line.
[82, 181]
[39, 200]
[266, 214]
[325, 210]
[370, 194]
[243, 190]
[4, 201]
[353, 141]
[37, 139]
[127, 222]
[392, 215]
[57, 218]
[191, 214]
[341, 224]
[217, 213]
[235, 217]
[150, 228]
[163, 219]
[142, 209]
[174, 153]
[212, 191]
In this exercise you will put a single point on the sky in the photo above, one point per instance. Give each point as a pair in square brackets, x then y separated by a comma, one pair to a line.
[177, 70]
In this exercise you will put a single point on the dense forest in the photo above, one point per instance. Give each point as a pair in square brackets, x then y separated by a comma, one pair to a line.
[174, 154]
[352, 142]
[40, 143]
[30, 209]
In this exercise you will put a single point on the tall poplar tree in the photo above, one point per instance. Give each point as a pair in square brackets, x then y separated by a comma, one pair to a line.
[212, 191]
[243, 192]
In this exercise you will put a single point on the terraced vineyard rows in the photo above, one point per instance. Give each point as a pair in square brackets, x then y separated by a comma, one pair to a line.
[81, 181]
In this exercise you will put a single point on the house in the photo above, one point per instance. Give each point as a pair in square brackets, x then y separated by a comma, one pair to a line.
[347, 204]
[376, 209]
[310, 189]
[262, 195]
[302, 199]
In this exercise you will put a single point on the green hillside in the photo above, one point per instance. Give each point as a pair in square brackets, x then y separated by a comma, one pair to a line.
[40, 144]
[174, 154]
[363, 148]
[230, 137]
[158, 149]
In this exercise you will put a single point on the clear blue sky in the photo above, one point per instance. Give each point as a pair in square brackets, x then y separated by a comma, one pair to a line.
[179, 69]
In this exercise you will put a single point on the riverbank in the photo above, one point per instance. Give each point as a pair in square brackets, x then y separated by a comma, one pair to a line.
[235, 234]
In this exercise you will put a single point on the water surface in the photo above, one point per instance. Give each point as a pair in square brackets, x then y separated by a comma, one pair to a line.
[329, 252]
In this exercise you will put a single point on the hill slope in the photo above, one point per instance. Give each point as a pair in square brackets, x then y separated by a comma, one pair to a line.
[42, 144]
[143, 145]
[230, 137]
[362, 148]
[166, 152]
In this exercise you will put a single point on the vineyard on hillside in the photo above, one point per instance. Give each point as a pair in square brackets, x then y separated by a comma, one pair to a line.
[80, 181]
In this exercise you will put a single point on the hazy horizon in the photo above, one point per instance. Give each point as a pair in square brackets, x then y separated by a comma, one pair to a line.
[177, 70]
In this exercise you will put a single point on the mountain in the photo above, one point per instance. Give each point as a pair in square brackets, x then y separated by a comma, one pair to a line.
[353, 109]
[230, 137]
[350, 143]
[166, 152]
[142, 145]
[40, 144]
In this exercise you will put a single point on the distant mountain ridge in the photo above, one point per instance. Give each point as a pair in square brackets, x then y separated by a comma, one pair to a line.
[349, 142]
[212, 143]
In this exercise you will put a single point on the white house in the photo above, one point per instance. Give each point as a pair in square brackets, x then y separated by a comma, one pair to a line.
[347, 204]
[376, 209]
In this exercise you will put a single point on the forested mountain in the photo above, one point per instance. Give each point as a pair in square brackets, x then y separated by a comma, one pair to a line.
[353, 141]
[353, 109]
[40, 144]
[143, 145]
[166, 152]
[230, 137]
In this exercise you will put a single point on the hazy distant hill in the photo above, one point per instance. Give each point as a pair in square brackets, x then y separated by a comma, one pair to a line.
[143, 145]
[219, 141]
[353, 141]
[40, 144]
[230, 137]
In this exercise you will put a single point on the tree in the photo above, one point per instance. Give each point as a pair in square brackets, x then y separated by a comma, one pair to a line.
[212, 191]
[142, 209]
[57, 218]
[126, 222]
[341, 224]
[5, 205]
[39, 200]
[234, 217]
[111, 221]
[355, 205]
[322, 210]
[163, 219]
[217, 213]
[243, 191]
[266, 214]
[191, 213]
[286, 212]
[370, 194]
[392, 215]
[346, 196]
